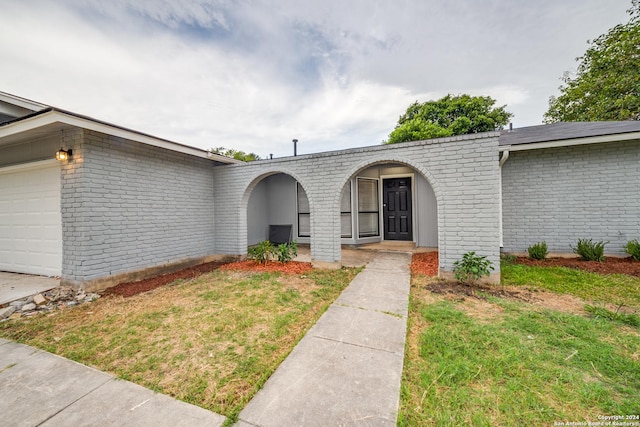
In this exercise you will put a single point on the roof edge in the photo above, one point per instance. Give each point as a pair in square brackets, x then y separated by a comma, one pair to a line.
[51, 115]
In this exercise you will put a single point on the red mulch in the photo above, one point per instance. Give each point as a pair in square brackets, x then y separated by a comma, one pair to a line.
[291, 267]
[129, 289]
[425, 263]
[610, 265]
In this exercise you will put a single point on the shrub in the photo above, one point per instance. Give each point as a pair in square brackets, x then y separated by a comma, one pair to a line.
[472, 267]
[265, 251]
[538, 251]
[588, 250]
[261, 252]
[633, 248]
[286, 251]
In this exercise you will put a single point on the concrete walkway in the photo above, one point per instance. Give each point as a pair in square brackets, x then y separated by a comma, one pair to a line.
[347, 369]
[42, 389]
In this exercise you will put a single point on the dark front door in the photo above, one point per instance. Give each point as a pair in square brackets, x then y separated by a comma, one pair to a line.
[396, 209]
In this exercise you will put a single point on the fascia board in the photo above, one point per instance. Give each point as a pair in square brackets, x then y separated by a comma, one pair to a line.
[570, 142]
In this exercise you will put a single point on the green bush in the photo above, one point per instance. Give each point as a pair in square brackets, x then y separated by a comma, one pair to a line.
[588, 250]
[538, 251]
[265, 251]
[286, 251]
[633, 248]
[471, 268]
[261, 252]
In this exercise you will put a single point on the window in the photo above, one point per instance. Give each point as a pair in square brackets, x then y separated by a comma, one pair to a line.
[345, 211]
[304, 213]
[368, 208]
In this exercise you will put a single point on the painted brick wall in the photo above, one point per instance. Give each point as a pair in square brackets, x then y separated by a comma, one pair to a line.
[128, 206]
[560, 195]
[463, 172]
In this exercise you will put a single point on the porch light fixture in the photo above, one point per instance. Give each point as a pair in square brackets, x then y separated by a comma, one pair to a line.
[63, 154]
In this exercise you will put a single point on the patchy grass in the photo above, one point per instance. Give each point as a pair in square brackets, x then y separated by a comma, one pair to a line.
[504, 362]
[211, 341]
[615, 288]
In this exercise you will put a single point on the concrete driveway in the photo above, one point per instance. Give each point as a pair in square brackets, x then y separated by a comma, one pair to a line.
[15, 286]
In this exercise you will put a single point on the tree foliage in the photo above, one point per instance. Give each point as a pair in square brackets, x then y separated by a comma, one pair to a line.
[235, 154]
[451, 115]
[606, 85]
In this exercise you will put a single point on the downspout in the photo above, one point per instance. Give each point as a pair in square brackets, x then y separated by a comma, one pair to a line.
[503, 159]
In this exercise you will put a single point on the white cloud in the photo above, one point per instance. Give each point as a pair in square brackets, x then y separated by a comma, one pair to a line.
[254, 74]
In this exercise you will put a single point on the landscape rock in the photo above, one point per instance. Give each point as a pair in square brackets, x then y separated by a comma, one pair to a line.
[39, 299]
[7, 311]
[17, 304]
[56, 298]
[29, 307]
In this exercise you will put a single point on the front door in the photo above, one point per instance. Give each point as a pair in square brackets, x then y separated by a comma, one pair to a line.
[396, 209]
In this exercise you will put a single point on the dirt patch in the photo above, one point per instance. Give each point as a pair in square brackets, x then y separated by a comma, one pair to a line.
[292, 267]
[129, 289]
[425, 263]
[459, 292]
[610, 265]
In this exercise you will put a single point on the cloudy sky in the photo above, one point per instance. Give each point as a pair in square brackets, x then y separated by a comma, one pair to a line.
[254, 74]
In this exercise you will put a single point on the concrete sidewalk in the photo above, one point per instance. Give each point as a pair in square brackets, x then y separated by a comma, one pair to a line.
[41, 389]
[347, 368]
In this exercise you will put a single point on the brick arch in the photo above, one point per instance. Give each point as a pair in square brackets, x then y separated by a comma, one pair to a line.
[389, 159]
[251, 182]
[430, 178]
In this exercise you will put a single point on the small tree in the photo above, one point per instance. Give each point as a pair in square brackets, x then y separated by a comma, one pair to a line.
[606, 84]
[235, 154]
[451, 115]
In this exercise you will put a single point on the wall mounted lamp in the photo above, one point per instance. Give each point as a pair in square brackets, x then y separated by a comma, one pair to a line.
[63, 154]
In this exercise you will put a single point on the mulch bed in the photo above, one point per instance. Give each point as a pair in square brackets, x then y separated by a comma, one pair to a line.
[425, 263]
[130, 289]
[610, 265]
[291, 267]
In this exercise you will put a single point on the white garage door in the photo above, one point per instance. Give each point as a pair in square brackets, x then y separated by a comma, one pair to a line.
[30, 219]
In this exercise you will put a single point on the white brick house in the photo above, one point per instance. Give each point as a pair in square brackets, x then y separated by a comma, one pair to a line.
[126, 204]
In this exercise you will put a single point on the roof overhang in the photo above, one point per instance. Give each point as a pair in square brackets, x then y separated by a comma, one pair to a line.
[570, 142]
[51, 121]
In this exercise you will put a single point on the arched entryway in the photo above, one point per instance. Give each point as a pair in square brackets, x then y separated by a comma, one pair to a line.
[275, 200]
[390, 201]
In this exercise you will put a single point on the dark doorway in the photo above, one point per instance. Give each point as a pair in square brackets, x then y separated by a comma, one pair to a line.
[396, 211]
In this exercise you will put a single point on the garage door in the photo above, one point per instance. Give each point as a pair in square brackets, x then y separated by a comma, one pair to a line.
[30, 219]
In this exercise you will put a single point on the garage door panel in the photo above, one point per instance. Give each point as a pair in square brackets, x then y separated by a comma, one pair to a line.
[30, 218]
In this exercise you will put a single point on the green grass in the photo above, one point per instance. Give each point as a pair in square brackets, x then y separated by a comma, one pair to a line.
[523, 367]
[615, 289]
[212, 341]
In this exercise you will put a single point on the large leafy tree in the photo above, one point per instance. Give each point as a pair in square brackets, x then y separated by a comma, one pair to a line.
[451, 115]
[606, 85]
[235, 154]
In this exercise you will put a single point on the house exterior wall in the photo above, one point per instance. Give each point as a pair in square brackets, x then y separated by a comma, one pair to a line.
[128, 206]
[560, 195]
[463, 172]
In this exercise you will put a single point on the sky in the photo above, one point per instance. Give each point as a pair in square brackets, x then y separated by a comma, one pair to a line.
[254, 74]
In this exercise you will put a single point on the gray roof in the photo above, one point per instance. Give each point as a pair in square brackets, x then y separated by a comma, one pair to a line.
[566, 130]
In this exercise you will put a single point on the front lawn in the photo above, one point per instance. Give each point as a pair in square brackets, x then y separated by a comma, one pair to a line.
[211, 341]
[484, 361]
